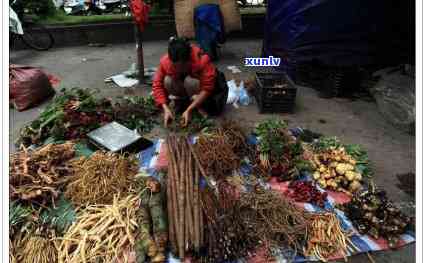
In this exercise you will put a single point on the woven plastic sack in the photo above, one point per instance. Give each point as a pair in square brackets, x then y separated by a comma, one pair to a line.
[395, 98]
[29, 86]
[184, 18]
[231, 15]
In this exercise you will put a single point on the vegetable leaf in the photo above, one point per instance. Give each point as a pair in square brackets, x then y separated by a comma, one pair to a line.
[60, 217]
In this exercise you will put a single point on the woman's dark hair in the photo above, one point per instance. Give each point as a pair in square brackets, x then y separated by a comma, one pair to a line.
[179, 49]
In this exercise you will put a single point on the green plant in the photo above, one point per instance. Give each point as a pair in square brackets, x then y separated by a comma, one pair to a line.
[363, 164]
[18, 215]
[325, 143]
[198, 123]
[269, 135]
[69, 116]
[59, 217]
[136, 113]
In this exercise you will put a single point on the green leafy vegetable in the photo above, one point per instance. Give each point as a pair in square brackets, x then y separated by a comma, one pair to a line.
[325, 143]
[69, 116]
[269, 135]
[198, 123]
[360, 155]
[136, 113]
[60, 217]
[18, 215]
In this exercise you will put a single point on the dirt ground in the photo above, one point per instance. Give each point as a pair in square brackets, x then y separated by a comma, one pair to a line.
[391, 151]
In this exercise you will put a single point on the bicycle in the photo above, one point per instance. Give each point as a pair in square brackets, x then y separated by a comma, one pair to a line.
[34, 35]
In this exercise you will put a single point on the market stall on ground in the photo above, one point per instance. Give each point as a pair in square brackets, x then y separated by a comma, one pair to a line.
[223, 194]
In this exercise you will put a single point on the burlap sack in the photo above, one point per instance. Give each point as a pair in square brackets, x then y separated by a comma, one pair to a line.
[184, 18]
[231, 15]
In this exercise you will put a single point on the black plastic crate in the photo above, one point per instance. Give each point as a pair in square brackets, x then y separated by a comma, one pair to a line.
[276, 93]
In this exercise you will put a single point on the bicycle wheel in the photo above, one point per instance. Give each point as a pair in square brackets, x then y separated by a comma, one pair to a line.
[37, 37]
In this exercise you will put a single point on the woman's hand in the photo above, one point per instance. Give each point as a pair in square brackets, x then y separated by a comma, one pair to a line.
[186, 117]
[167, 115]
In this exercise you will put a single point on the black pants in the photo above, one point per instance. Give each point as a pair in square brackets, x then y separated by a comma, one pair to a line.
[214, 104]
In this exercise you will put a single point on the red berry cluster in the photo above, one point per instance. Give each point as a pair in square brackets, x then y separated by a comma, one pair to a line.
[306, 191]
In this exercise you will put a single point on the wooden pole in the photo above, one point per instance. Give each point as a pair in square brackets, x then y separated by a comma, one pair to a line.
[140, 55]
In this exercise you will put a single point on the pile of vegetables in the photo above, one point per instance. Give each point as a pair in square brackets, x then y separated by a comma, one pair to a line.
[216, 155]
[136, 113]
[70, 115]
[30, 239]
[96, 177]
[198, 123]
[236, 137]
[336, 170]
[372, 213]
[274, 219]
[306, 192]
[38, 248]
[38, 211]
[183, 198]
[228, 237]
[38, 175]
[356, 151]
[279, 153]
[101, 232]
[326, 237]
[152, 224]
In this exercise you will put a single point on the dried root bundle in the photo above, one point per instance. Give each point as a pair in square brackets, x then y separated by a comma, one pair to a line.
[216, 155]
[183, 202]
[151, 218]
[235, 137]
[12, 252]
[38, 249]
[38, 175]
[101, 233]
[326, 237]
[97, 178]
[276, 221]
[228, 237]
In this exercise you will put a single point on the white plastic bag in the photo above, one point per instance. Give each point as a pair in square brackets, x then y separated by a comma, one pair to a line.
[237, 94]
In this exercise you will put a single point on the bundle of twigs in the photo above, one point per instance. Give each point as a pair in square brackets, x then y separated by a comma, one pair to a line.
[216, 155]
[39, 249]
[276, 221]
[228, 237]
[184, 213]
[38, 175]
[235, 137]
[12, 251]
[101, 232]
[326, 237]
[96, 178]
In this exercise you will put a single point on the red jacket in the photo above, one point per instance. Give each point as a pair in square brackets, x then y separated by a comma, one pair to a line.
[201, 69]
